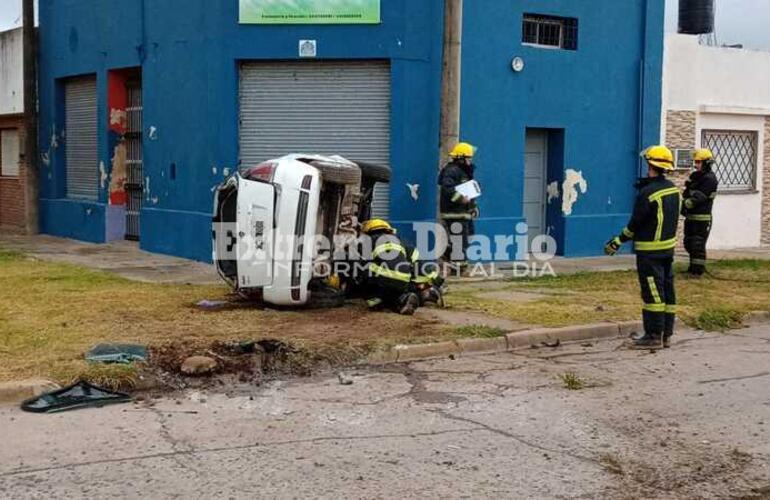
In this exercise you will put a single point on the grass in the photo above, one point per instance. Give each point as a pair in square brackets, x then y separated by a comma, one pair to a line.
[116, 377]
[479, 331]
[572, 381]
[51, 314]
[715, 302]
[718, 320]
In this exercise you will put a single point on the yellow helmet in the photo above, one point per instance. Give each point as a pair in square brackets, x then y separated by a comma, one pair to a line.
[463, 150]
[659, 156]
[702, 155]
[375, 225]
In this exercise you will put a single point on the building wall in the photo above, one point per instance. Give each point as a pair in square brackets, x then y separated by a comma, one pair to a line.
[12, 192]
[11, 72]
[12, 189]
[189, 51]
[603, 100]
[725, 89]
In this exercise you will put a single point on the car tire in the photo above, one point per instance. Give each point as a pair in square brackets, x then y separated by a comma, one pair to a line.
[326, 297]
[375, 173]
[339, 173]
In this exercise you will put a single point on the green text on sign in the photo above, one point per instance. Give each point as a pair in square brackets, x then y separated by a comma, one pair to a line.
[310, 11]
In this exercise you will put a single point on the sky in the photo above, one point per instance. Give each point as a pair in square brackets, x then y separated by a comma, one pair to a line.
[738, 21]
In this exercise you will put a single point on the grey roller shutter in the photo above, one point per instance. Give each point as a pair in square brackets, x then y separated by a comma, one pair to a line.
[340, 107]
[81, 138]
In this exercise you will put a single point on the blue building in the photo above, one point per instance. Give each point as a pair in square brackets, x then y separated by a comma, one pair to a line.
[146, 106]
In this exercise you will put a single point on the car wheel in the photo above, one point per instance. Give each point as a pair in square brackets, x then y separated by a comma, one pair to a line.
[326, 297]
[375, 173]
[338, 173]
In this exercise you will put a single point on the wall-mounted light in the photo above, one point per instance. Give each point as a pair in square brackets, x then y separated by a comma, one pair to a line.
[517, 64]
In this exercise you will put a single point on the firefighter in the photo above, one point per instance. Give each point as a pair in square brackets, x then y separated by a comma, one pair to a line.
[388, 280]
[457, 211]
[652, 228]
[428, 283]
[700, 191]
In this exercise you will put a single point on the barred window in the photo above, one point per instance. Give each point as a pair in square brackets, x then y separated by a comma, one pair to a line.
[550, 31]
[683, 159]
[735, 152]
[9, 153]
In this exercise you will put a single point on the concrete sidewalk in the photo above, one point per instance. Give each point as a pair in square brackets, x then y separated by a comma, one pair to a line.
[125, 259]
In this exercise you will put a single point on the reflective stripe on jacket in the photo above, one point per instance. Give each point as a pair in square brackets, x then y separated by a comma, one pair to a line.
[655, 219]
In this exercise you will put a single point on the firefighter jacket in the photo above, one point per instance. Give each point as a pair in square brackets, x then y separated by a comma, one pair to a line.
[390, 259]
[699, 194]
[451, 176]
[656, 216]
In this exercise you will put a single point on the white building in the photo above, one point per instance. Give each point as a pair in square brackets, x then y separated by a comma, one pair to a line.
[719, 98]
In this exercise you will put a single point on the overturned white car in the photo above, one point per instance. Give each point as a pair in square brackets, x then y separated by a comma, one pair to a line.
[269, 219]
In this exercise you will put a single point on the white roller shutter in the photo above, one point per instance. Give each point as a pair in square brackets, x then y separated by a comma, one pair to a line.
[81, 138]
[317, 107]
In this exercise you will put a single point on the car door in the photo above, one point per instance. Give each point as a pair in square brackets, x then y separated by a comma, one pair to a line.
[254, 223]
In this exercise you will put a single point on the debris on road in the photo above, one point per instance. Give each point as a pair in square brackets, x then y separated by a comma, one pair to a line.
[211, 305]
[344, 380]
[198, 365]
[79, 395]
[117, 353]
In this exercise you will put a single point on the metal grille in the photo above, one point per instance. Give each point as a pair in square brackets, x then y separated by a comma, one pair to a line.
[735, 153]
[317, 107]
[550, 31]
[81, 138]
[134, 177]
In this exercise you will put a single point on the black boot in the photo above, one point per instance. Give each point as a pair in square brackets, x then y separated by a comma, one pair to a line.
[408, 304]
[668, 331]
[647, 342]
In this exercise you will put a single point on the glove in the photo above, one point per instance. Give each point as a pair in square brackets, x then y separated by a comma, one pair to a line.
[612, 246]
[689, 203]
[475, 212]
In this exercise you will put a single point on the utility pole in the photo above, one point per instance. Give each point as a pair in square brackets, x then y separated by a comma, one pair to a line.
[31, 186]
[451, 77]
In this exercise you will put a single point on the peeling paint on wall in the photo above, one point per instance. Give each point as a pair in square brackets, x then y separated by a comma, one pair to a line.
[118, 118]
[214, 170]
[553, 191]
[102, 175]
[119, 175]
[573, 181]
[147, 188]
[414, 191]
[153, 134]
[226, 172]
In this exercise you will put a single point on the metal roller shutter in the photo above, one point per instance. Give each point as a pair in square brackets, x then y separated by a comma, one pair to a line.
[80, 129]
[317, 107]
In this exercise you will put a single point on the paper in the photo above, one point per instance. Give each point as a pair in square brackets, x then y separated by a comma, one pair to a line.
[470, 189]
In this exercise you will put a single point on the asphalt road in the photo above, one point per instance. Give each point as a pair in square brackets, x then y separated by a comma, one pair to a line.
[692, 421]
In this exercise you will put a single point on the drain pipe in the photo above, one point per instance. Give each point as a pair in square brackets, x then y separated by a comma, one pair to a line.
[642, 85]
[30, 64]
[451, 73]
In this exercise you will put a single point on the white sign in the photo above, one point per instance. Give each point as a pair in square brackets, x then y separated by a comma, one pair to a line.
[308, 48]
[470, 189]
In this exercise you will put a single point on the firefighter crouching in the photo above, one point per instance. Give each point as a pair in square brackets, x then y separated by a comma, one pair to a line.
[700, 191]
[457, 211]
[391, 272]
[652, 228]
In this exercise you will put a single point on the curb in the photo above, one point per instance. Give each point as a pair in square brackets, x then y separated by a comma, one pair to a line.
[509, 342]
[755, 317]
[21, 390]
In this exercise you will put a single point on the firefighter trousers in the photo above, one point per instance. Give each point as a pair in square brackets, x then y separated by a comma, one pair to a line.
[656, 279]
[386, 292]
[696, 235]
